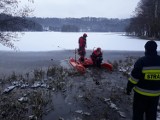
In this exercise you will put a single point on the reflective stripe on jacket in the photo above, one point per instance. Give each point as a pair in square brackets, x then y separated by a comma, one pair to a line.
[147, 92]
[145, 76]
[151, 73]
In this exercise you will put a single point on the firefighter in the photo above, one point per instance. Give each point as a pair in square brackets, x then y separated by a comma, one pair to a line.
[145, 81]
[97, 57]
[82, 45]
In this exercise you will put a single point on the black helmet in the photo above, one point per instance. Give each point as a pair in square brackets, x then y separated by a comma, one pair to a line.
[84, 35]
[151, 46]
[98, 49]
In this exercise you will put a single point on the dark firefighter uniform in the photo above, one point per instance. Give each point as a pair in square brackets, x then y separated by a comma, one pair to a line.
[145, 81]
[82, 46]
[97, 57]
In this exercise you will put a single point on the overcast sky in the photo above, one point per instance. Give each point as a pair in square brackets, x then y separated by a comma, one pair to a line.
[84, 8]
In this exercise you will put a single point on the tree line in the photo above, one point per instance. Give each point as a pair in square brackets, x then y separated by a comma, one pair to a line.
[87, 24]
[15, 23]
[146, 22]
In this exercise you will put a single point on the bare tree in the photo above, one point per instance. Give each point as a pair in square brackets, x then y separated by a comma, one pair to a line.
[13, 8]
[146, 22]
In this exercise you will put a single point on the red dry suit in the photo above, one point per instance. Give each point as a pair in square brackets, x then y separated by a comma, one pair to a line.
[82, 46]
[97, 57]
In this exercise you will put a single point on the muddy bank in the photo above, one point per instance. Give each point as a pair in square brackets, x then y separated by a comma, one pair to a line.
[64, 94]
[55, 92]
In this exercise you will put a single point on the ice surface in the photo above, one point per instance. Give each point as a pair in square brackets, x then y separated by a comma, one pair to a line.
[48, 41]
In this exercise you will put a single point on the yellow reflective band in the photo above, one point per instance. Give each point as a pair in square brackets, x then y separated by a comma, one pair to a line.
[150, 71]
[146, 93]
[152, 76]
[152, 68]
[132, 80]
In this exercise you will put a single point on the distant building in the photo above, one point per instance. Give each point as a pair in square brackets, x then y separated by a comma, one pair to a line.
[46, 28]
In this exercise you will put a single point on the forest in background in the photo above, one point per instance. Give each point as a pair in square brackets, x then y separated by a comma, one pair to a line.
[146, 22]
[10, 23]
[86, 24]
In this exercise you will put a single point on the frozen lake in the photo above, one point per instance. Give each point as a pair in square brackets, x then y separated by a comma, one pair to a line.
[48, 41]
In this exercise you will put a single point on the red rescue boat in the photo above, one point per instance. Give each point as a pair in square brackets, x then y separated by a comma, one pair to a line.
[81, 66]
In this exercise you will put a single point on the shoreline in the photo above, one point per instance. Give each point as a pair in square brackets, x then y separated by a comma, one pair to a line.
[68, 95]
[22, 62]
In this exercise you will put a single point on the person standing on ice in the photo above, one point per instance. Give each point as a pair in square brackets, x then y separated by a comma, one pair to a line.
[97, 57]
[145, 81]
[82, 45]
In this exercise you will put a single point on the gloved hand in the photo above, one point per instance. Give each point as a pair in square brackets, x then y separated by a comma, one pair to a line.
[129, 88]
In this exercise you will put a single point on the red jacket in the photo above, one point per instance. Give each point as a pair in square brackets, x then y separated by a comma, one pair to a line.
[82, 42]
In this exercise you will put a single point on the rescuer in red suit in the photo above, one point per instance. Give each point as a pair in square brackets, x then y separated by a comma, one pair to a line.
[97, 57]
[82, 45]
